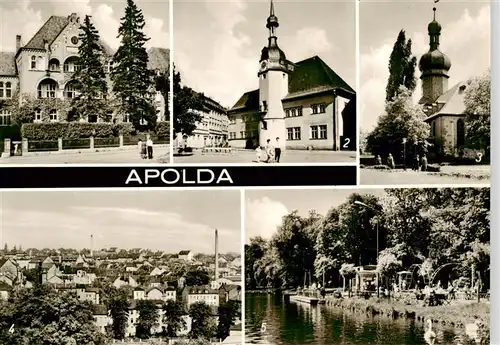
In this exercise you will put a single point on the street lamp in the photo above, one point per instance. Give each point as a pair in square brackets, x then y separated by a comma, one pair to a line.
[362, 204]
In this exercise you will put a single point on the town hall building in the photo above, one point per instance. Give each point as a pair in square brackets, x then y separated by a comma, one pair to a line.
[443, 106]
[305, 104]
[42, 68]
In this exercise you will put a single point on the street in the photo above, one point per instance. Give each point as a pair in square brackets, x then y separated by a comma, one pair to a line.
[249, 156]
[448, 175]
[128, 156]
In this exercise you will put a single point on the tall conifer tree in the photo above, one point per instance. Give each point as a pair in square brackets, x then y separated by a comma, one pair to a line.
[132, 81]
[90, 79]
[401, 67]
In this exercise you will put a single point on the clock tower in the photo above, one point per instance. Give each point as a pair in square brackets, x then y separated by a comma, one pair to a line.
[273, 86]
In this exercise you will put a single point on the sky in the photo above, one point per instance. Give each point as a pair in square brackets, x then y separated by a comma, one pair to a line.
[159, 220]
[27, 16]
[217, 44]
[465, 38]
[266, 208]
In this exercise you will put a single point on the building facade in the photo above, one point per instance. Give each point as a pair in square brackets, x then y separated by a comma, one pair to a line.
[212, 130]
[42, 68]
[305, 104]
[443, 106]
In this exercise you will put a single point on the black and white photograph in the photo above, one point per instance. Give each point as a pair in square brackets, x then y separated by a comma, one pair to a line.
[367, 266]
[120, 267]
[84, 82]
[264, 82]
[424, 92]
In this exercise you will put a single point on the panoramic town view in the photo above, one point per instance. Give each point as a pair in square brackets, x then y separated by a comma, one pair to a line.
[270, 82]
[84, 82]
[425, 79]
[394, 266]
[99, 268]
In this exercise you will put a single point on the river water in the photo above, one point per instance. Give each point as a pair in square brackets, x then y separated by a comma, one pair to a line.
[301, 324]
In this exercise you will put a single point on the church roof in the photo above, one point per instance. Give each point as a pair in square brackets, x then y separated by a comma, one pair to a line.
[310, 76]
[451, 102]
[314, 75]
[7, 64]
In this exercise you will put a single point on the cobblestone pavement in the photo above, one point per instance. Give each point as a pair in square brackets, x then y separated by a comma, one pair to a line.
[249, 156]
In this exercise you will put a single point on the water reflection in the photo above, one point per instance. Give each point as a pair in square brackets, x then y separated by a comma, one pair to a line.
[298, 323]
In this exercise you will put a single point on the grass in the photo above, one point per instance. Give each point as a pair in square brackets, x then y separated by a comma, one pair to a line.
[458, 314]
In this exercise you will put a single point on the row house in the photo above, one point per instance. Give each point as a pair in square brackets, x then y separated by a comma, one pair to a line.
[155, 293]
[205, 294]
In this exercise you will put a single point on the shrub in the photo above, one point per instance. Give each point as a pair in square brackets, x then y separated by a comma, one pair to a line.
[73, 130]
[163, 129]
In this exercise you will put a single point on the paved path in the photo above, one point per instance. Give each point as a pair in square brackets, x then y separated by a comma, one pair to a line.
[448, 175]
[108, 157]
[249, 156]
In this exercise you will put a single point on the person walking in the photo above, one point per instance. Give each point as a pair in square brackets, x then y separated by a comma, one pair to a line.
[424, 163]
[277, 151]
[390, 161]
[139, 147]
[149, 144]
[269, 151]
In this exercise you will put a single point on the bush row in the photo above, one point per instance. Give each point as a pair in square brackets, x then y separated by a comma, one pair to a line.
[79, 130]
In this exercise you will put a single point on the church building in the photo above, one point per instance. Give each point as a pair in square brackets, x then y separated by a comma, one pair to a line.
[305, 104]
[44, 65]
[443, 106]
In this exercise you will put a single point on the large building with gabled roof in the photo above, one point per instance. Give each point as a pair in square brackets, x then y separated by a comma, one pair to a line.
[306, 104]
[43, 66]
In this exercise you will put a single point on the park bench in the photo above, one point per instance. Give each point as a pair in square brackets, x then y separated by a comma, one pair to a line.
[221, 150]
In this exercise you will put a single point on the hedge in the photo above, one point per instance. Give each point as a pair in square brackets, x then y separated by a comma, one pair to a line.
[80, 130]
[73, 130]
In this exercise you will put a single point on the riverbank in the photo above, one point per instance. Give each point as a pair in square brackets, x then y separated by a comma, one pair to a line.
[458, 314]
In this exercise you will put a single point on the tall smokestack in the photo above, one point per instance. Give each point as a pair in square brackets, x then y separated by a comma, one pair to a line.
[18, 42]
[91, 246]
[216, 254]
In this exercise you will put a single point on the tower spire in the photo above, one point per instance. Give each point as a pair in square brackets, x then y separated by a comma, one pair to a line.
[272, 21]
[271, 12]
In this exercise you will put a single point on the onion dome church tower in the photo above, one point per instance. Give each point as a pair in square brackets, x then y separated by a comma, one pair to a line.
[434, 66]
[273, 76]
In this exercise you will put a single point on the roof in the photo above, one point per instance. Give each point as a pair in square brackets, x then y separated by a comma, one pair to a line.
[5, 286]
[159, 59]
[184, 252]
[314, 74]
[310, 76]
[451, 102]
[249, 100]
[202, 290]
[7, 64]
[48, 32]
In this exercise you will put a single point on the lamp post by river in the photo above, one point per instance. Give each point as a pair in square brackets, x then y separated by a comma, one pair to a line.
[362, 204]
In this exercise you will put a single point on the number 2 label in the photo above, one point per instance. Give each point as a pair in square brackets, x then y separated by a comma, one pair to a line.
[346, 144]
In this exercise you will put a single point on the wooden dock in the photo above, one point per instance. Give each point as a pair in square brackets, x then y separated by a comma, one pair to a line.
[305, 299]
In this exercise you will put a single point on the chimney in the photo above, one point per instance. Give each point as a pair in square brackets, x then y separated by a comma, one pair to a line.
[216, 254]
[18, 42]
[91, 246]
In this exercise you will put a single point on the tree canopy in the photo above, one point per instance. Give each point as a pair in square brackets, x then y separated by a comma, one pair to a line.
[426, 227]
[186, 106]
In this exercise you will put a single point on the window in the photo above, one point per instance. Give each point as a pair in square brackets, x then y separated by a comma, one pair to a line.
[243, 119]
[1, 90]
[33, 62]
[319, 132]
[460, 133]
[264, 106]
[53, 115]
[70, 91]
[8, 90]
[4, 117]
[232, 135]
[293, 133]
[242, 135]
[293, 112]
[318, 108]
[38, 115]
[47, 89]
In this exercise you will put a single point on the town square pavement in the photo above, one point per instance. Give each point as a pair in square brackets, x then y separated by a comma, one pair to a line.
[249, 156]
[128, 156]
[447, 175]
